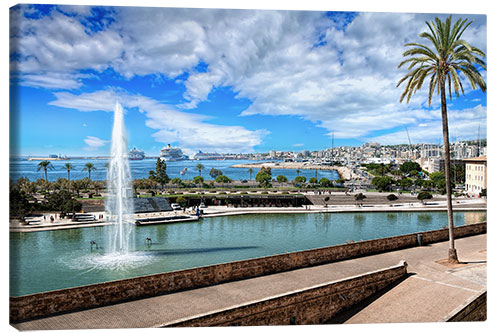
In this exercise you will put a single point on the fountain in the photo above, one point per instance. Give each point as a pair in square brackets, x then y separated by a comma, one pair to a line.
[119, 204]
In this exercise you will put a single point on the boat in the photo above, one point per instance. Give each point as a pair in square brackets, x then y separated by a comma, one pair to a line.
[208, 156]
[172, 154]
[136, 155]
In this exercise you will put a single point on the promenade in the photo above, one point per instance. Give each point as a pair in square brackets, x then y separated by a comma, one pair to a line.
[339, 203]
[432, 291]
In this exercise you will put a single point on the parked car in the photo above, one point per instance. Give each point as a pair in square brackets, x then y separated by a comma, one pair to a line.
[176, 206]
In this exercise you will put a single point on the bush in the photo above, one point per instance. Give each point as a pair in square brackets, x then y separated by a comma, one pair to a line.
[181, 201]
[424, 195]
[392, 197]
[359, 197]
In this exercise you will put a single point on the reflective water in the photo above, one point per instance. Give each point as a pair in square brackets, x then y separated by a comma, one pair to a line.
[49, 260]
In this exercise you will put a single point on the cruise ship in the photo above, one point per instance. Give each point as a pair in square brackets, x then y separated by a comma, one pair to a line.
[171, 154]
[136, 154]
[208, 156]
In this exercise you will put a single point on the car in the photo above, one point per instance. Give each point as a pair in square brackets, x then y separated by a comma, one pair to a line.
[176, 206]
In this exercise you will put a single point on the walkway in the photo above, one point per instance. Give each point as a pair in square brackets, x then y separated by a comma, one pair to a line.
[430, 294]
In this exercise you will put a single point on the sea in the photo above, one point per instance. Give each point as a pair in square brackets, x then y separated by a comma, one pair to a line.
[21, 167]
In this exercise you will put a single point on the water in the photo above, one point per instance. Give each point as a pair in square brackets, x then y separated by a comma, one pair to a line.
[140, 169]
[119, 205]
[49, 260]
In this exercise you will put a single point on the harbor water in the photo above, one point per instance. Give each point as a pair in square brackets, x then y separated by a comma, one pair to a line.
[140, 169]
[49, 260]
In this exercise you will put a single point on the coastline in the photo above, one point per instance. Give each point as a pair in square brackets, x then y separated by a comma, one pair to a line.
[344, 172]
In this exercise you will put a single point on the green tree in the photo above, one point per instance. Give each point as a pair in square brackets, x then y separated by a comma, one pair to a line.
[405, 183]
[299, 180]
[406, 167]
[313, 180]
[160, 174]
[383, 183]
[281, 179]
[68, 167]
[26, 186]
[64, 202]
[223, 179]
[89, 167]
[45, 165]
[266, 170]
[439, 181]
[449, 56]
[263, 178]
[177, 181]
[19, 202]
[199, 167]
[214, 173]
[325, 182]
[198, 180]
[250, 171]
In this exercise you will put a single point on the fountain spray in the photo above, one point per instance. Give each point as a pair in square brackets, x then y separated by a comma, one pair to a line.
[119, 204]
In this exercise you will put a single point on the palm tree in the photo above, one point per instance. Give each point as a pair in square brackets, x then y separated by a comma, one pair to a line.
[89, 167]
[200, 167]
[250, 171]
[451, 56]
[45, 165]
[68, 167]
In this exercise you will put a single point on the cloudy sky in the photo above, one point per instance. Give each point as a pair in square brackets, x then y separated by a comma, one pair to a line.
[222, 80]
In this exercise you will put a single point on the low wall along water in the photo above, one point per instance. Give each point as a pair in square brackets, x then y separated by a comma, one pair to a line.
[91, 296]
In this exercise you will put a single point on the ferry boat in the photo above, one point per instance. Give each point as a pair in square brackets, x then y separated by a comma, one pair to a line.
[171, 154]
[136, 154]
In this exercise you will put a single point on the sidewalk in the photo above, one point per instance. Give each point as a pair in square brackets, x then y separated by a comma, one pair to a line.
[431, 293]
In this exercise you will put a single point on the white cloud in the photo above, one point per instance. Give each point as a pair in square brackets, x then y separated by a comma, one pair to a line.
[346, 84]
[190, 130]
[93, 143]
[462, 125]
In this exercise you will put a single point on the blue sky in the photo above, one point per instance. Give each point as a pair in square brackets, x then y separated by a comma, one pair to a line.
[221, 80]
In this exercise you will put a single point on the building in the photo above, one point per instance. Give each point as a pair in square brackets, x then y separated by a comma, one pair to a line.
[475, 175]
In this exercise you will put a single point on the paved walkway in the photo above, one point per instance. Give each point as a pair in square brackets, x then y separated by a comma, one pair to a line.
[430, 294]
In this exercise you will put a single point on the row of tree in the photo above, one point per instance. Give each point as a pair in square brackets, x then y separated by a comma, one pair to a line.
[47, 165]
[22, 203]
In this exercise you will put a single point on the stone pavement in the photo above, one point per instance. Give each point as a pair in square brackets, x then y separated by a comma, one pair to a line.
[431, 293]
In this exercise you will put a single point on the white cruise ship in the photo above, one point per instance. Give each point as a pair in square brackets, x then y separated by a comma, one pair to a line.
[171, 154]
[136, 154]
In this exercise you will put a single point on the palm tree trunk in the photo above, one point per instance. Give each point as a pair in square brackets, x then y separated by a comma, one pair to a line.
[452, 252]
[68, 175]
[46, 174]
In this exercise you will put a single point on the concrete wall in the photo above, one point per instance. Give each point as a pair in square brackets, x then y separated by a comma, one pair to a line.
[90, 296]
[314, 305]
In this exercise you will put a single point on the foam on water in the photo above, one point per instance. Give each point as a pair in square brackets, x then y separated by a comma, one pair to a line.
[114, 261]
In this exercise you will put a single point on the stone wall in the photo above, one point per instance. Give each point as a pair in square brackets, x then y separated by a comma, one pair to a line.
[90, 296]
[314, 305]
[473, 310]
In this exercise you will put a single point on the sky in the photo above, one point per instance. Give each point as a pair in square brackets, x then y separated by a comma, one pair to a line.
[219, 80]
